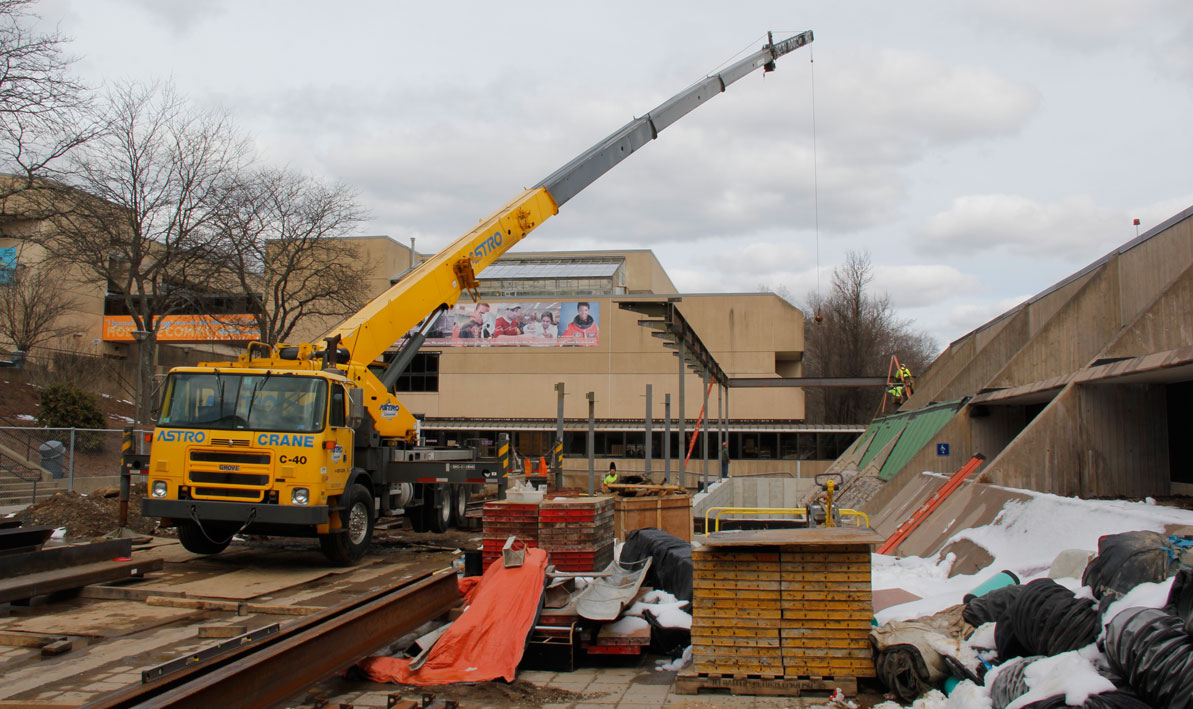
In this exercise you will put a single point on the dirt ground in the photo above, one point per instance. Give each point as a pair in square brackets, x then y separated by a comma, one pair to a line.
[518, 693]
[88, 516]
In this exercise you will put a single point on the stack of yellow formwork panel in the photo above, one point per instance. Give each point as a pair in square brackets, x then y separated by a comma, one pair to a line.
[781, 611]
[737, 611]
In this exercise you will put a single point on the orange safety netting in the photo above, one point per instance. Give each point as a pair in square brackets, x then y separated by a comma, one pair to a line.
[488, 639]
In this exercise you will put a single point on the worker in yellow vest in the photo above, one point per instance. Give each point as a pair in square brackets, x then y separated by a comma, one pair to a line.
[611, 476]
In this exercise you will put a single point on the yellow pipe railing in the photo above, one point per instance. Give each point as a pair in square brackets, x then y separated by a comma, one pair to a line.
[773, 510]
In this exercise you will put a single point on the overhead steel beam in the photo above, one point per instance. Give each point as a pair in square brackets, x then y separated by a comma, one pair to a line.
[669, 325]
[807, 382]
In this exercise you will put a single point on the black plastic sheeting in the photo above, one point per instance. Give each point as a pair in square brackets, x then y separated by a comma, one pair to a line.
[1009, 685]
[664, 640]
[988, 608]
[671, 568]
[1150, 649]
[1180, 598]
[902, 669]
[1118, 699]
[1126, 560]
[1046, 619]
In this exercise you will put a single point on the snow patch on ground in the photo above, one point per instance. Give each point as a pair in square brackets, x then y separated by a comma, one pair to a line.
[677, 664]
[1025, 538]
[26, 417]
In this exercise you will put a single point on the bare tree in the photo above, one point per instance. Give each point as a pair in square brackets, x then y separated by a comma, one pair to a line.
[279, 228]
[43, 110]
[139, 211]
[856, 336]
[32, 304]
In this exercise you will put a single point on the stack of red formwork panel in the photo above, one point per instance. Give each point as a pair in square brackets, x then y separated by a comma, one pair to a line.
[577, 532]
[502, 519]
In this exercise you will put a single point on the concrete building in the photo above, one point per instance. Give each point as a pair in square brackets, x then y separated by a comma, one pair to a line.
[1081, 390]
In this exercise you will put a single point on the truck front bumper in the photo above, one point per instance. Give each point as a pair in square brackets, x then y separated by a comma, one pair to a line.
[234, 511]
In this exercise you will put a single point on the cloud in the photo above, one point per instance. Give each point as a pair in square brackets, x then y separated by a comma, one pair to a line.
[1157, 30]
[180, 16]
[1070, 229]
[965, 318]
[894, 106]
[915, 286]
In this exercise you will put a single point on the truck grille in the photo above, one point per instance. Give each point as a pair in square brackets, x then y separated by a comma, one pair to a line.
[229, 442]
[254, 495]
[228, 478]
[238, 458]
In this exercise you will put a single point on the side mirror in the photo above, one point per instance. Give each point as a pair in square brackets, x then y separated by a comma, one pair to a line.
[356, 407]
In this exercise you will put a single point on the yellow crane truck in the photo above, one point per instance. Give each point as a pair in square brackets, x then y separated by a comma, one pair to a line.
[306, 440]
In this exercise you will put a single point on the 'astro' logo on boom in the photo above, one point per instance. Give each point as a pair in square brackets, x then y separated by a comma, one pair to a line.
[181, 436]
[487, 246]
[389, 410]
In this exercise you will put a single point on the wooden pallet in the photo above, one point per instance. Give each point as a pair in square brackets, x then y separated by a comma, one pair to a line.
[761, 684]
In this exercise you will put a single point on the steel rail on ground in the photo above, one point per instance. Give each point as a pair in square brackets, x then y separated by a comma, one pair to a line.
[300, 655]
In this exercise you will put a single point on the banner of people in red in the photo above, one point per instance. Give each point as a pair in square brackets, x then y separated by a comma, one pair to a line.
[518, 324]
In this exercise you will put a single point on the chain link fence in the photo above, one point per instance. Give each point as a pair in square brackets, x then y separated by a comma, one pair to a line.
[29, 454]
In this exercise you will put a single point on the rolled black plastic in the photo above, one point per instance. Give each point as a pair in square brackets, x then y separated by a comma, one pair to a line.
[1150, 649]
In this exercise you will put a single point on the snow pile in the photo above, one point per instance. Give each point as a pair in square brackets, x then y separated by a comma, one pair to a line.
[1071, 674]
[26, 417]
[1145, 595]
[677, 664]
[666, 609]
[1025, 538]
[627, 625]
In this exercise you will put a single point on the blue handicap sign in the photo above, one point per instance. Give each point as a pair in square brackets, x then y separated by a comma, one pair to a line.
[942, 449]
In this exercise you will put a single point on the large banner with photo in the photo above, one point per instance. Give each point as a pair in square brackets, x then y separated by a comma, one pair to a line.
[491, 323]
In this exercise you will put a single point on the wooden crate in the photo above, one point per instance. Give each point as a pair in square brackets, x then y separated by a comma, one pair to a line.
[781, 611]
[671, 513]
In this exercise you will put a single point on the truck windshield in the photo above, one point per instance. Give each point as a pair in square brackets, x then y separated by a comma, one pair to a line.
[259, 402]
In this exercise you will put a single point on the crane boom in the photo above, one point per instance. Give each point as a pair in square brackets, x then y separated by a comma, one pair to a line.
[440, 281]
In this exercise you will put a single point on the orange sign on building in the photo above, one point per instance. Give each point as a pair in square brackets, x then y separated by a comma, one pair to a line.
[238, 327]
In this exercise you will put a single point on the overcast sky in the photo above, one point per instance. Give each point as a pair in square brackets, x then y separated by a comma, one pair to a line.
[980, 150]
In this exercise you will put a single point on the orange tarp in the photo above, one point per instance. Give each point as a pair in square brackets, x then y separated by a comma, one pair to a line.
[487, 640]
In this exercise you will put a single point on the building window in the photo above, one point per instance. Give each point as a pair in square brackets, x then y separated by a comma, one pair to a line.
[421, 375]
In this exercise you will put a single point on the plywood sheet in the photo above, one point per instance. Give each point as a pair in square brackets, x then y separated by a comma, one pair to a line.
[106, 619]
[246, 583]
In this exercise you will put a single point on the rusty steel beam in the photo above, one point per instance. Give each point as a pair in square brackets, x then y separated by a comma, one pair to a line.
[303, 654]
[807, 382]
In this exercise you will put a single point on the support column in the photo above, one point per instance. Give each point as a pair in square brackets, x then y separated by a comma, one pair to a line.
[557, 457]
[648, 450]
[591, 442]
[667, 438]
[683, 444]
[704, 427]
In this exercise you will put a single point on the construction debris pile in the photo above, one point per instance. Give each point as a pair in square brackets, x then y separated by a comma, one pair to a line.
[1118, 633]
[88, 516]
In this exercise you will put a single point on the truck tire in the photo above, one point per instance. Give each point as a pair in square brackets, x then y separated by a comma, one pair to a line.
[357, 517]
[440, 512]
[460, 496]
[200, 540]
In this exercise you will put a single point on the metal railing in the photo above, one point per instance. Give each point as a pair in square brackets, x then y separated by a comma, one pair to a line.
[802, 513]
[83, 452]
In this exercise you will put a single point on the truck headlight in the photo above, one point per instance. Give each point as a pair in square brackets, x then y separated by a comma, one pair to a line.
[159, 488]
[300, 496]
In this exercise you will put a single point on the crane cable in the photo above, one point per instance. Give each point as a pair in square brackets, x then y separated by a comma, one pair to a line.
[815, 182]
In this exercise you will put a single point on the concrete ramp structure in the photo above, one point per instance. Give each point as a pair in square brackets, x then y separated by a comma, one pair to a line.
[1084, 390]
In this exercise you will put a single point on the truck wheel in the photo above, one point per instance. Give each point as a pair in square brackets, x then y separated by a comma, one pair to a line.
[440, 512]
[460, 496]
[200, 540]
[357, 517]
